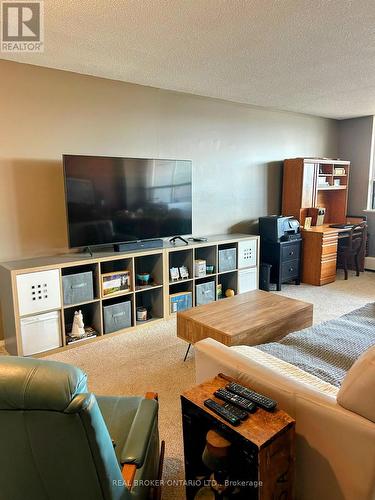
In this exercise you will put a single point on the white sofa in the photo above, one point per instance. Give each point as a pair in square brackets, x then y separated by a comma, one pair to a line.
[335, 449]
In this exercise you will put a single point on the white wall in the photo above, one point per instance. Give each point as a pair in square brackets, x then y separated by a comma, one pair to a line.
[237, 150]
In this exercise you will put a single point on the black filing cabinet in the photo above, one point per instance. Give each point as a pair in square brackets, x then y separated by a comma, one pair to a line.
[285, 258]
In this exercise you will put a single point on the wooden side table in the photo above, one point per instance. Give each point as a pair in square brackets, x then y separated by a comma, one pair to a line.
[262, 457]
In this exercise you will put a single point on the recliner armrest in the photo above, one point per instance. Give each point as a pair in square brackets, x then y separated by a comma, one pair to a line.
[135, 448]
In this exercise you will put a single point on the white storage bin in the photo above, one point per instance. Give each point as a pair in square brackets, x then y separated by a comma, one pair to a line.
[40, 333]
[247, 280]
[247, 253]
[38, 291]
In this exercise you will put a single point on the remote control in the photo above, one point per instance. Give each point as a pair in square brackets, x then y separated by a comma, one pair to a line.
[260, 400]
[198, 238]
[242, 414]
[235, 400]
[222, 412]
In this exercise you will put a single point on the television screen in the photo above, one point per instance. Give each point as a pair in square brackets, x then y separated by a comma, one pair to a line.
[114, 200]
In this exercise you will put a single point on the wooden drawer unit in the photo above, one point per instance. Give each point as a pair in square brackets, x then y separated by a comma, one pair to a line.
[328, 271]
[329, 245]
[319, 257]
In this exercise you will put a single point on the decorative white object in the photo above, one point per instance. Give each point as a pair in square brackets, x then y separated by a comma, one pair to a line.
[175, 275]
[78, 328]
[200, 268]
[184, 272]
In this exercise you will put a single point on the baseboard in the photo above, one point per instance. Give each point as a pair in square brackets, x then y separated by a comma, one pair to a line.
[370, 263]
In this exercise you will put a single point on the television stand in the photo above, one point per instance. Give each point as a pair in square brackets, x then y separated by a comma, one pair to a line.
[173, 240]
[138, 245]
[159, 296]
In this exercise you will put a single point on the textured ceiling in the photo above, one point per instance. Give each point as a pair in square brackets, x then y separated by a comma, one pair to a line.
[309, 56]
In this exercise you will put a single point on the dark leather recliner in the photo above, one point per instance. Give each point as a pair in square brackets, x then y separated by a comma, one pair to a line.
[60, 442]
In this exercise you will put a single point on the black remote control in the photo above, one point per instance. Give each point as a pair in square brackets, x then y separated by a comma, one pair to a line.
[242, 414]
[260, 400]
[198, 238]
[235, 400]
[222, 412]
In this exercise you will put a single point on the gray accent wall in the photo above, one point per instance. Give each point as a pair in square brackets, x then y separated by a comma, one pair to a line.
[356, 145]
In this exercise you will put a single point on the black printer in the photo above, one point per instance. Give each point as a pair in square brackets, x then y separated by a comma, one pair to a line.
[278, 228]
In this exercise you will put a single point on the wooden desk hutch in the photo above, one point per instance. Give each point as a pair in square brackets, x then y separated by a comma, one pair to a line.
[302, 189]
[318, 183]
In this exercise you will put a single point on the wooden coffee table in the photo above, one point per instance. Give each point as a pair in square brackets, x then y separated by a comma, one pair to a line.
[250, 318]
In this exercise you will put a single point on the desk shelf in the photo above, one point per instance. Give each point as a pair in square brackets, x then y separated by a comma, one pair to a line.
[331, 188]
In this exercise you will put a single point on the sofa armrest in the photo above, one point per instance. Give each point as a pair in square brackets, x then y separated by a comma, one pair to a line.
[331, 441]
[136, 445]
[212, 357]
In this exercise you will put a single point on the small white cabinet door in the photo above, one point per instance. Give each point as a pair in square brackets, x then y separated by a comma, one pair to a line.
[247, 253]
[247, 280]
[38, 292]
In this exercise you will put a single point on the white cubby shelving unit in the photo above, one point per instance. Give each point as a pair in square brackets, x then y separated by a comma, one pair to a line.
[20, 279]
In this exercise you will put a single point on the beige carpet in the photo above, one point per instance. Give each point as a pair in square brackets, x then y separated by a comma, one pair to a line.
[152, 359]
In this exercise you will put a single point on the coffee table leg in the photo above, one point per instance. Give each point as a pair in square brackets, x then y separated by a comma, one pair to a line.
[187, 352]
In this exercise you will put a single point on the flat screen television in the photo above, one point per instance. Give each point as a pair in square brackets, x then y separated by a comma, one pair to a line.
[115, 200]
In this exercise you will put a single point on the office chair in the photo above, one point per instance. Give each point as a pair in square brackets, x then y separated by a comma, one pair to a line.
[351, 248]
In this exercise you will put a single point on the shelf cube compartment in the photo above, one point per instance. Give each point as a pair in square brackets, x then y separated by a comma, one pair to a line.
[40, 333]
[205, 292]
[117, 315]
[152, 300]
[228, 281]
[151, 265]
[91, 318]
[181, 258]
[38, 291]
[227, 258]
[209, 255]
[180, 297]
[110, 268]
[247, 253]
[247, 280]
[79, 284]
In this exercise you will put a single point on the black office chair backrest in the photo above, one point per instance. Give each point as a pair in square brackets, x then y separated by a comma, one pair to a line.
[357, 238]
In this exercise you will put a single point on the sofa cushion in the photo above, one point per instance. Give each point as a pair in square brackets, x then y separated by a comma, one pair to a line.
[357, 392]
